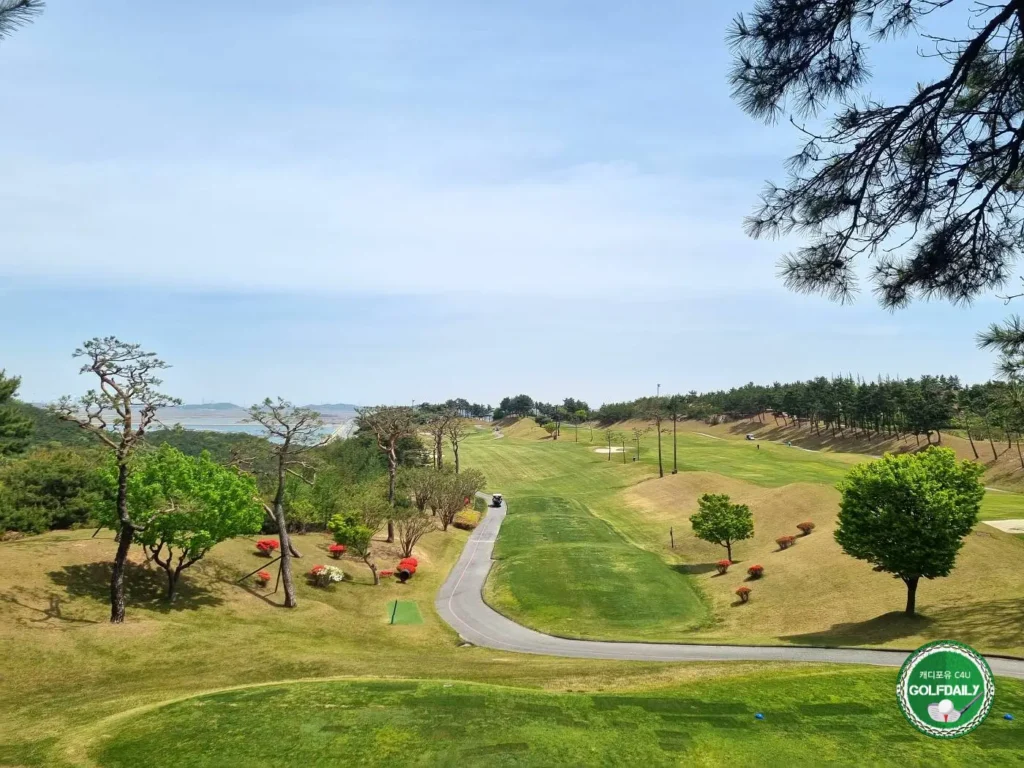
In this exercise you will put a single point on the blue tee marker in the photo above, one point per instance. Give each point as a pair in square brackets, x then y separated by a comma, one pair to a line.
[1007, 716]
[759, 716]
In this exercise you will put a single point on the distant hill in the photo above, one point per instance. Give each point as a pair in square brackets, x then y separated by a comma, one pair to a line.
[333, 407]
[209, 407]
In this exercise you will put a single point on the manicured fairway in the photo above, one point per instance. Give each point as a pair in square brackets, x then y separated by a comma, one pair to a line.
[561, 568]
[586, 551]
[812, 717]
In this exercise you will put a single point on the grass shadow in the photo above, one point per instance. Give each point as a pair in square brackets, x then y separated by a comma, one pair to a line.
[143, 587]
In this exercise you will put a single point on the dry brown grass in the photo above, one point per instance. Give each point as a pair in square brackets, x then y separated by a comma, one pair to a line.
[812, 593]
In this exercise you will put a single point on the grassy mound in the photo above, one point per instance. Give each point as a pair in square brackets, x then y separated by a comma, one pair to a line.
[839, 717]
[813, 593]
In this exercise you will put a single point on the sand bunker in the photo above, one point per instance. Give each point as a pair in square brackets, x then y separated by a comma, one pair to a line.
[1010, 526]
[614, 449]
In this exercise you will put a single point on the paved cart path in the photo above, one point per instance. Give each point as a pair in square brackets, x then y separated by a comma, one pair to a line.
[460, 603]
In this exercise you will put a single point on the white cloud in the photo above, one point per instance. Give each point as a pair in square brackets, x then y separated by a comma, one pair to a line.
[590, 229]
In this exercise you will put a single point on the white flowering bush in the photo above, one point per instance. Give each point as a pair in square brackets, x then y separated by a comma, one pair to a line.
[325, 575]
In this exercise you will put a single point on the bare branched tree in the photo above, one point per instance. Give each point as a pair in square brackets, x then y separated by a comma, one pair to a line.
[931, 186]
[292, 432]
[411, 525]
[437, 426]
[389, 424]
[118, 415]
[456, 430]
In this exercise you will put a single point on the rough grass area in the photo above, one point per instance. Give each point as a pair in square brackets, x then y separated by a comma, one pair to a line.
[65, 669]
[565, 570]
[812, 717]
[811, 594]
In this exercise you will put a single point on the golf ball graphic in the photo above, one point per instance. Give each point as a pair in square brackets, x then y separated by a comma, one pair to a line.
[943, 712]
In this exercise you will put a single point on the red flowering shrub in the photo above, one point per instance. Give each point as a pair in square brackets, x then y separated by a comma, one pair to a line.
[743, 593]
[723, 565]
[785, 542]
[268, 546]
[755, 571]
[336, 550]
[316, 570]
[385, 573]
[263, 577]
[405, 571]
[806, 527]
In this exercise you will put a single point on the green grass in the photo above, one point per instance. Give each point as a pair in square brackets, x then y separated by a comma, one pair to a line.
[1002, 506]
[812, 717]
[561, 568]
[585, 551]
[404, 612]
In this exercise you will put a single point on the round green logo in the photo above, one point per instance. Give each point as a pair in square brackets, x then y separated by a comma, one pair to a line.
[945, 689]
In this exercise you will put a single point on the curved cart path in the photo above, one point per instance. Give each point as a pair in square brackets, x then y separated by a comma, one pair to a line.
[460, 603]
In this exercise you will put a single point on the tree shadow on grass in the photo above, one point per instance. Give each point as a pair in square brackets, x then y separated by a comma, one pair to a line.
[143, 587]
[881, 629]
[54, 610]
[693, 569]
[993, 625]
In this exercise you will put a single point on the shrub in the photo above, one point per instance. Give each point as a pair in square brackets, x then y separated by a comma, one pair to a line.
[405, 572]
[385, 573]
[466, 520]
[268, 546]
[785, 542]
[325, 575]
[723, 565]
[806, 527]
[743, 593]
[263, 578]
[755, 571]
[337, 550]
[409, 561]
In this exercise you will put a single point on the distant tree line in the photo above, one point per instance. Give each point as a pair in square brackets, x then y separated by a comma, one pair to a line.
[848, 406]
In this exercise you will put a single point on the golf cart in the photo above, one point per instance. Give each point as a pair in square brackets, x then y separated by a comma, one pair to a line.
[496, 500]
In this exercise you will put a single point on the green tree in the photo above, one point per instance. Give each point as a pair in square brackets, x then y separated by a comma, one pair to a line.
[908, 514]
[17, 13]
[930, 184]
[578, 418]
[721, 522]
[53, 487]
[118, 414]
[368, 511]
[183, 506]
[15, 427]
[292, 432]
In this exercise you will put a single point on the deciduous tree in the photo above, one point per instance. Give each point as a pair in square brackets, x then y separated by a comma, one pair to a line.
[457, 429]
[293, 432]
[118, 415]
[411, 525]
[389, 424]
[368, 510]
[908, 514]
[721, 522]
[185, 505]
[451, 492]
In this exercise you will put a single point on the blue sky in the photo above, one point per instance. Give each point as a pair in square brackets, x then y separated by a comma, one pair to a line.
[376, 201]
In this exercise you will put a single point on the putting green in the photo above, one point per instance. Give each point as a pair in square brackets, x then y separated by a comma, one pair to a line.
[404, 612]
